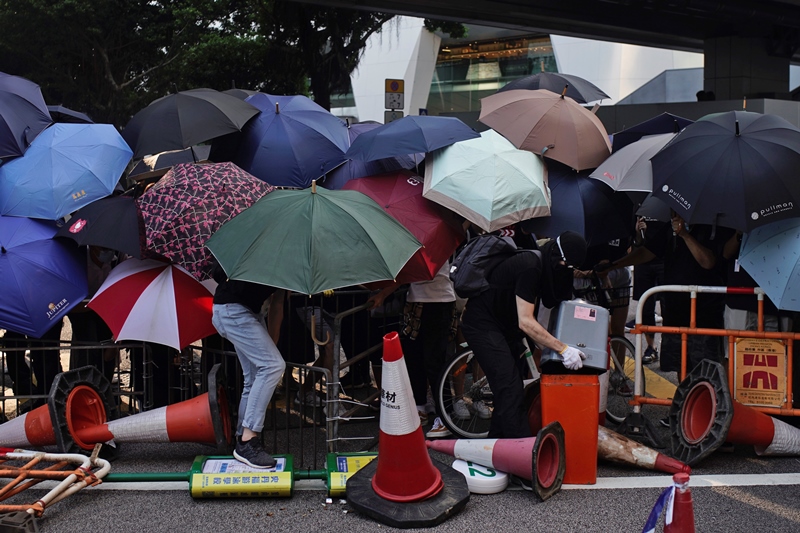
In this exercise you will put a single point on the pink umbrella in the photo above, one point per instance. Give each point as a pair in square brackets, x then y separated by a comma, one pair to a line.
[548, 124]
[147, 300]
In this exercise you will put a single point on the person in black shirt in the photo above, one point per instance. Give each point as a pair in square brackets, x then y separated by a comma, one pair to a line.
[236, 316]
[496, 321]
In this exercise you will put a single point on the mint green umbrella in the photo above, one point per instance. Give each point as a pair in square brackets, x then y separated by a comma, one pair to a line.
[313, 240]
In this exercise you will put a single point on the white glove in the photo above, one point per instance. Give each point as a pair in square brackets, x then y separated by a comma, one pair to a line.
[573, 358]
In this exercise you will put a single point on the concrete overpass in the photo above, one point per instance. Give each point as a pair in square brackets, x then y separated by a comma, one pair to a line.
[748, 44]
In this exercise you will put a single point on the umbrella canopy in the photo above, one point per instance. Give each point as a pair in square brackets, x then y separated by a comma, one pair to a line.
[313, 240]
[23, 114]
[577, 88]
[409, 135]
[189, 204]
[545, 123]
[65, 114]
[184, 119]
[736, 169]
[585, 206]
[655, 208]
[354, 168]
[771, 255]
[488, 181]
[114, 222]
[157, 165]
[147, 300]
[663, 123]
[400, 195]
[292, 141]
[241, 94]
[67, 167]
[629, 169]
[41, 279]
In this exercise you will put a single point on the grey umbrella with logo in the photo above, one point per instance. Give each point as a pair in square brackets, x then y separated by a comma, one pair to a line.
[735, 169]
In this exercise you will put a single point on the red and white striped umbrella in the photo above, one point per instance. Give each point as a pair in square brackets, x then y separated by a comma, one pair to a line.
[148, 300]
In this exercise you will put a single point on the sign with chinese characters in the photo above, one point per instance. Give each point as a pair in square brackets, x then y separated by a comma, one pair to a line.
[760, 372]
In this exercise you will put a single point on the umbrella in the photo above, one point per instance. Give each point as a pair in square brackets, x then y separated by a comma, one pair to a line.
[545, 123]
[65, 114]
[663, 123]
[577, 88]
[184, 119]
[771, 255]
[67, 167]
[241, 94]
[147, 300]
[585, 206]
[42, 279]
[185, 207]
[409, 135]
[655, 208]
[488, 181]
[23, 114]
[400, 195]
[114, 222]
[629, 168]
[292, 141]
[313, 240]
[736, 169]
[354, 168]
[158, 164]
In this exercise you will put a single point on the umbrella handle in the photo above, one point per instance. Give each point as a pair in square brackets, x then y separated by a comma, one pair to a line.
[314, 334]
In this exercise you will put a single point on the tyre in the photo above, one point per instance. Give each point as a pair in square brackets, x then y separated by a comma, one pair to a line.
[621, 378]
[462, 385]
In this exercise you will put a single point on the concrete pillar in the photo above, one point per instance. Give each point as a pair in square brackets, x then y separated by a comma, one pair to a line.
[738, 67]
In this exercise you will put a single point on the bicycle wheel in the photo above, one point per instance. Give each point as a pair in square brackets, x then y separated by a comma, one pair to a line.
[461, 386]
[621, 373]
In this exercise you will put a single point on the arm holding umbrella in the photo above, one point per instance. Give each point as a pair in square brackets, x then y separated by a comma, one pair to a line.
[703, 255]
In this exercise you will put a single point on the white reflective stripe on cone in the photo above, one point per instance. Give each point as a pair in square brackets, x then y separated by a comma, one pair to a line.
[478, 451]
[786, 440]
[398, 411]
[150, 426]
[12, 433]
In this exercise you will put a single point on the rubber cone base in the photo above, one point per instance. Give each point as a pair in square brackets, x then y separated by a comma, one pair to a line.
[431, 512]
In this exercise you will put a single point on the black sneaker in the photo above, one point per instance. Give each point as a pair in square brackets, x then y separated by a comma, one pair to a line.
[650, 355]
[253, 453]
[664, 421]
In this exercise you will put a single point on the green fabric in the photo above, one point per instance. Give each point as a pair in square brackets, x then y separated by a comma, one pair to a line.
[310, 242]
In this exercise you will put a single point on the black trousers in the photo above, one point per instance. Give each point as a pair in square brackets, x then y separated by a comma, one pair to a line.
[500, 360]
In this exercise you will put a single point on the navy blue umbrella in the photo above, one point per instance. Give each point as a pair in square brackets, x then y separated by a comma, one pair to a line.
[292, 141]
[583, 205]
[65, 114]
[353, 168]
[663, 123]
[23, 114]
[410, 135]
[41, 279]
[577, 88]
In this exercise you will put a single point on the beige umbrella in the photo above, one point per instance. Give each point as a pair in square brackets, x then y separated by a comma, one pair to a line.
[549, 124]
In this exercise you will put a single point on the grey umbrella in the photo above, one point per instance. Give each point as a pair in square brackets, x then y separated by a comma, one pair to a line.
[577, 88]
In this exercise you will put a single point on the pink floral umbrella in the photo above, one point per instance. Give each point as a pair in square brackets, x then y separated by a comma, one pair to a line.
[189, 204]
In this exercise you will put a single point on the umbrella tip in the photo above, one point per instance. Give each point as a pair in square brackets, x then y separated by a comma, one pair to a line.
[277, 108]
[2, 249]
[313, 186]
[564, 91]
[737, 128]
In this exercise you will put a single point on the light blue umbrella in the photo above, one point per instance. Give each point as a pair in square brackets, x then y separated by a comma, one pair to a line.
[771, 255]
[292, 141]
[65, 168]
[488, 181]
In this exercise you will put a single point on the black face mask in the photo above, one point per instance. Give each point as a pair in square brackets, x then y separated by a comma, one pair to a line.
[556, 278]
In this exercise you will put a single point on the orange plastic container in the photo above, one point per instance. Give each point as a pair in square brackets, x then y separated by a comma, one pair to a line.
[573, 400]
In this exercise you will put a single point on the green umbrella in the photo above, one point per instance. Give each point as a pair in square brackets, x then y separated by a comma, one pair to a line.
[313, 240]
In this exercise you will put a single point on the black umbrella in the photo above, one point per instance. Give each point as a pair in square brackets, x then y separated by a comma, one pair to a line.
[241, 94]
[185, 119]
[736, 169]
[114, 222]
[23, 114]
[65, 114]
[663, 123]
[157, 165]
[578, 89]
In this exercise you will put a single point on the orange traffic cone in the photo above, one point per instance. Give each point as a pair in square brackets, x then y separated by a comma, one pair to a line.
[33, 429]
[390, 488]
[617, 448]
[680, 514]
[703, 416]
[405, 472]
[541, 459]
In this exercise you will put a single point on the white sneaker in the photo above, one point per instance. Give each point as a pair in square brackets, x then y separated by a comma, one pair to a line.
[438, 430]
[460, 410]
[482, 410]
[311, 399]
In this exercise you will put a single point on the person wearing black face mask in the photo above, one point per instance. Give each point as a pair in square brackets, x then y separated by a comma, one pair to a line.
[496, 321]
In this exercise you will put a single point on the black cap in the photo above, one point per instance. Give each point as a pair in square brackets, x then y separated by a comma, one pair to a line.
[573, 247]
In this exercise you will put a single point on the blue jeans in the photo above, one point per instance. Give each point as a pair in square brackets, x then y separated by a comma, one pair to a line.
[262, 363]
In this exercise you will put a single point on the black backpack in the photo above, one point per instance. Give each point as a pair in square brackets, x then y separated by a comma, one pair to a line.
[472, 265]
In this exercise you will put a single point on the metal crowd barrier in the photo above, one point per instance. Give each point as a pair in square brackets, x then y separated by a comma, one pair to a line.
[639, 400]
